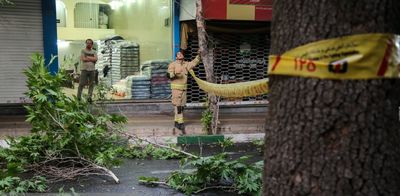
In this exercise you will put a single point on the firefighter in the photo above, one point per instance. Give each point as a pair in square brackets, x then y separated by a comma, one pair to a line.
[178, 73]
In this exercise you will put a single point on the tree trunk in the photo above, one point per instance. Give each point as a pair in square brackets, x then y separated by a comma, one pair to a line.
[207, 61]
[332, 137]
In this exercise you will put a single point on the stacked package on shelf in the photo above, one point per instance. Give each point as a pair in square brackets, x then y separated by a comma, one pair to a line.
[103, 55]
[140, 87]
[123, 56]
[108, 56]
[114, 75]
[145, 69]
[129, 64]
[160, 85]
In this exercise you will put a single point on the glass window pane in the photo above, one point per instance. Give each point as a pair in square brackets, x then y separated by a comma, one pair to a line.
[128, 35]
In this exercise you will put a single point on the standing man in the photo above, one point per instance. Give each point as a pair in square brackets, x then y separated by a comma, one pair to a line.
[178, 74]
[89, 59]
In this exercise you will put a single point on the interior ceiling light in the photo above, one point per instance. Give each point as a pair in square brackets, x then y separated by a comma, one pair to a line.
[115, 4]
[62, 43]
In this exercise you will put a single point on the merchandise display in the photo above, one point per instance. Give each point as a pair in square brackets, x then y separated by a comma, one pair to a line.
[140, 87]
[157, 70]
[119, 56]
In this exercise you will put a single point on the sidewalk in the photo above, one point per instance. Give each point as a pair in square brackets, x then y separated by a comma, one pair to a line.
[149, 121]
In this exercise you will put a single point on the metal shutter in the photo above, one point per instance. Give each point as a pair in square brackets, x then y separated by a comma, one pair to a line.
[21, 34]
[86, 15]
[233, 62]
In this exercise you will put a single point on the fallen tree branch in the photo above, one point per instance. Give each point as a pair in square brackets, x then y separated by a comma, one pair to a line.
[56, 121]
[68, 171]
[135, 137]
[109, 173]
[57, 169]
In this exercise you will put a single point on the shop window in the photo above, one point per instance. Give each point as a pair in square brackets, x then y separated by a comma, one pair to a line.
[133, 42]
[92, 15]
[61, 14]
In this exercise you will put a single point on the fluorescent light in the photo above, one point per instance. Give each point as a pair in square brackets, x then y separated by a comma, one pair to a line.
[62, 43]
[115, 4]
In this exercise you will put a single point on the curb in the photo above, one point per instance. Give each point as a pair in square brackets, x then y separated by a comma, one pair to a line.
[192, 139]
[199, 139]
[236, 138]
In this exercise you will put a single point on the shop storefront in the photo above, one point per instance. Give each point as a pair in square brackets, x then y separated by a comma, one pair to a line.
[135, 40]
[239, 37]
[131, 37]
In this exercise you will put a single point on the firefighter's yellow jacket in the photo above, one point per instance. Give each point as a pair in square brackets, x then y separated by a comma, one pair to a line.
[179, 72]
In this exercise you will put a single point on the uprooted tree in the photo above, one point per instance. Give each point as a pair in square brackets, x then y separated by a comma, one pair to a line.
[332, 137]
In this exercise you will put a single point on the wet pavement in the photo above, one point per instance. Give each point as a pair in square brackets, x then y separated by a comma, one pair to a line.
[128, 174]
[131, 169]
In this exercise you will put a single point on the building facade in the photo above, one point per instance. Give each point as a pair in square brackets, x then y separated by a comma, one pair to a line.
[131, 36]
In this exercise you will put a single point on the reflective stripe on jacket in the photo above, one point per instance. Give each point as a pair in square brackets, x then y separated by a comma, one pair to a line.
[180, 71]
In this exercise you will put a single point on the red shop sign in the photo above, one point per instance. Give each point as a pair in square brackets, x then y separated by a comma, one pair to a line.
[251, 2]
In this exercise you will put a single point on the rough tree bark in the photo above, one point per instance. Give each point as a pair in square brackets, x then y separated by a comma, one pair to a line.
[207, 61]
[332, 137]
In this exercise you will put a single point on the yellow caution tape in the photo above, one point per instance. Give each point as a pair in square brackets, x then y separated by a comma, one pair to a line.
[240, 89]
[364, 56]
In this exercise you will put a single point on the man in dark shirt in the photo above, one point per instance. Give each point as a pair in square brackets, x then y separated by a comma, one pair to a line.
[89, 59]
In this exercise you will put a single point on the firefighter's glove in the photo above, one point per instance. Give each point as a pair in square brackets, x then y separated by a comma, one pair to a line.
[171, 76]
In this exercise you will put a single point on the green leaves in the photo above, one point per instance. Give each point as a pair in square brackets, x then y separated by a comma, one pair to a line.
[62, 127]
[149, 151]
[259, 144]
[227, 142]
[216, 171]
[16, 186]
[42, 86]
[66, 124]
[51, 92]
[206, 118]
[149, 181]
[249, 181]
[117, 119]
[40, 97]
